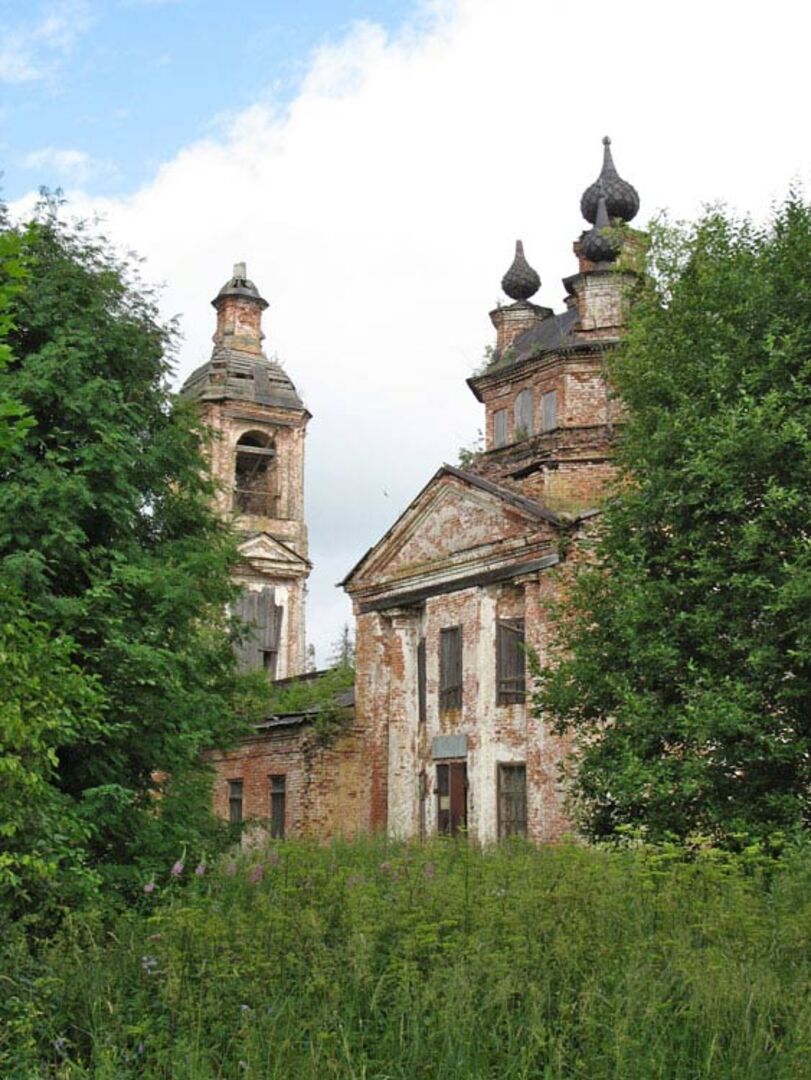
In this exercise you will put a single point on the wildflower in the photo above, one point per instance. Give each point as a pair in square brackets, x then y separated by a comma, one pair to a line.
[149, 963]
[385, 867]
[177, 869]
[430, 870]
[149, 887]
[200, 869]
[231, 869]
[256, 874]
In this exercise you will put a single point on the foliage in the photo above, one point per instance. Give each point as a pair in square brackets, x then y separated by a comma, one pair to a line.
[343, 650]
[381, 960]
[319, 695]
[106, 527]
[684, 659]
[13, 418]
[47, 701]
[468, 455]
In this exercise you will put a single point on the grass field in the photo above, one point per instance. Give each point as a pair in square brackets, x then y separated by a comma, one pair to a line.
[375, 960]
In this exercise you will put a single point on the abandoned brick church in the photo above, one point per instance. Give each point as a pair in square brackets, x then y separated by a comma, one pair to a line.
[442, 736]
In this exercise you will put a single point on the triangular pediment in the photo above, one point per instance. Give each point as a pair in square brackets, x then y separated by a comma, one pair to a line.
[458, 524]
[265, 553]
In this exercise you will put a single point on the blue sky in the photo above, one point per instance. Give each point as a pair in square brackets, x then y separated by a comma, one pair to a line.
[100, 92]
[374, 161]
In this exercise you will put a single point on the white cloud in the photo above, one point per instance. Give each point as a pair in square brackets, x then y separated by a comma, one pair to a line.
[74, 166]
[32, 50]
[378, 212]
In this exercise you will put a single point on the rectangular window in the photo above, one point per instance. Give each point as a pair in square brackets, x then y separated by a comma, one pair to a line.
[549, 407]
[451, 794]
[278, 796]
[421, 682]
[450, 668]
[512, 800]
[510, 662]
[524, 420]
[234, 801]
[500, 428]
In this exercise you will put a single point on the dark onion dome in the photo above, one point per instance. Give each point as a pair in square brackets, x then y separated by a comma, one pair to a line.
[239, 284]
[598, 244]
[621, 199]
[521, 281]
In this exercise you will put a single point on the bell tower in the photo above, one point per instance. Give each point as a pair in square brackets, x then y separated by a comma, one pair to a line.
[258, 424]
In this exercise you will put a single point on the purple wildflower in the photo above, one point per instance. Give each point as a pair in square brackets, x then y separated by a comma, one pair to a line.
[177, 869]
[200, 869]
[149, 887]
[256, 874]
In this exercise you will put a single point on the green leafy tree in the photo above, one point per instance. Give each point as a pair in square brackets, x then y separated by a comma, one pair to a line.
[47, 702]
[683, 668]
[106, 527]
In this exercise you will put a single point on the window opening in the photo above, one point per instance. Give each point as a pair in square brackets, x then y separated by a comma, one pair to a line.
[512, 800]
[524, 420]
[278, 798]
[510, 662]
[450, 668]
[421, 682]
[234, 801]
[500, 428]
[549, 403]
[255, 479]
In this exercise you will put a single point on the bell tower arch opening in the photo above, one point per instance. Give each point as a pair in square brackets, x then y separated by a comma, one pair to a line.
[256, 475]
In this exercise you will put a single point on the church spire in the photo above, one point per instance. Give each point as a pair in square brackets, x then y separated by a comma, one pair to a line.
[521, 281]
[621, 199]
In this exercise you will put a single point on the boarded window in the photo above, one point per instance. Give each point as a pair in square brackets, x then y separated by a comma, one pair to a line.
[510, 662]
[524, 420]
[451, 794]
[255, 477]
[549, 409]
[421, 682]
[512, 800]
[234, 801]
[450, 668]
[278, 798]
[500, 428]
[262, 618]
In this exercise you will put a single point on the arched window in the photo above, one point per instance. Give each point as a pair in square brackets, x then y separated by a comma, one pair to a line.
[255, 487]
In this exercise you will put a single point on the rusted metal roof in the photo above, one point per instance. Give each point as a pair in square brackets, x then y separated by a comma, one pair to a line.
[234, 375]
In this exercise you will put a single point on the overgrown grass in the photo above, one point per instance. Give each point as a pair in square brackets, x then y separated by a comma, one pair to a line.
[377, 960]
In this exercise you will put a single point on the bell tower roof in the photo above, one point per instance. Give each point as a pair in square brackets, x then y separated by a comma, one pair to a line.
[238, 369]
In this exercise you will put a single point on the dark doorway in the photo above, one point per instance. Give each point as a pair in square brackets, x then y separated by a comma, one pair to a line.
[451, 788]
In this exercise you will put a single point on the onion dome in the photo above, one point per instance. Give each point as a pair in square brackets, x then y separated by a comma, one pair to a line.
[521, 281]
[239, 284]
[621, 199]
[598, 245]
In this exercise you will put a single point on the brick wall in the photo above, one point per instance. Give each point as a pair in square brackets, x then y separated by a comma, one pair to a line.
[326, 785]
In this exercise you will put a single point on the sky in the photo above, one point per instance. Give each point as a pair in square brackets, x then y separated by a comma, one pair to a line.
[373, 162]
